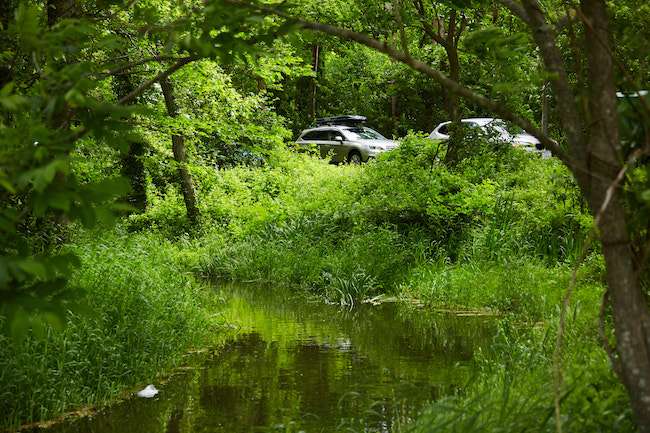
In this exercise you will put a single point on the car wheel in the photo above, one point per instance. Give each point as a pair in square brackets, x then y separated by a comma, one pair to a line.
[354, 158]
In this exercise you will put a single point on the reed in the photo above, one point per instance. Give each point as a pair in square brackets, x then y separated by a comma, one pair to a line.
[145, 311]
[510, 389]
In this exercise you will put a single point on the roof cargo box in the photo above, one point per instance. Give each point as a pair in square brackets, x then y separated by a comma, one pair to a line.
[347, 120]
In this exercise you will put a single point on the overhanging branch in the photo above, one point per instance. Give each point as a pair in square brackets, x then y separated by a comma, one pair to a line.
[182, 62]
[423, 68]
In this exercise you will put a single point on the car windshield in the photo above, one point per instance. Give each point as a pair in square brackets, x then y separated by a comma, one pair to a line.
[362, 133]
[508, 128]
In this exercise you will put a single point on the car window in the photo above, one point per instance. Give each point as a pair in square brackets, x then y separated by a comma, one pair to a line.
[507, 128]
[464, 126]
[316, 135]
[362, 134]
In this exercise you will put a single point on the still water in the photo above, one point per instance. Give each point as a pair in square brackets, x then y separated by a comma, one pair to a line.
[296, 363]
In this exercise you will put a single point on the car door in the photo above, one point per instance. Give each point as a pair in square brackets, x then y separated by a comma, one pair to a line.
[338, 148]
[321, 138]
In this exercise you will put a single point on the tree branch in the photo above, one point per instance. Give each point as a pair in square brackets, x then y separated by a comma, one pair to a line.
[609, 194]
[427, 27]
[138, 63]
[425, 69]
[516, 9]
[400, 25]
[618, 62]
[543, 36]
[179, 64]
[603, 337]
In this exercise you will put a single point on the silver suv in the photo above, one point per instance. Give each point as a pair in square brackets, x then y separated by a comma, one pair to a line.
[345, 139]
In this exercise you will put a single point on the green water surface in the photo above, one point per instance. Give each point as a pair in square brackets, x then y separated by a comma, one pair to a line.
[306, 366]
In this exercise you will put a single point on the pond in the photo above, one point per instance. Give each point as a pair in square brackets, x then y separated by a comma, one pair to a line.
[306, 366]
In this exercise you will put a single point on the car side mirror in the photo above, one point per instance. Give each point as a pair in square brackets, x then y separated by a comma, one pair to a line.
[338, 138]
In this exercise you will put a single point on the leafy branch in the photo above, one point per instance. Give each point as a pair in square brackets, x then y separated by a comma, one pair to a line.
[420, 67]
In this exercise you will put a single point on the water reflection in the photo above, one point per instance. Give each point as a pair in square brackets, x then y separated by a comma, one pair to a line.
[296, 361]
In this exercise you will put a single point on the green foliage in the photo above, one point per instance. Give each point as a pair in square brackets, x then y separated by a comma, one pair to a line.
[40, 195]
[352, 233]
[148, 310]
[63, 137]
[512, 389]
[493, 42]
[497, 231]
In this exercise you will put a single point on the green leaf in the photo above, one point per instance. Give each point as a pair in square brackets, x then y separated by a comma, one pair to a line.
[27, 23]
[34, 268]
[6, 225]
[111, 42]
[19, 324]
[105, 215]
[62, 264]
[59, 200]
[54, 318]
[44, 176]
[7, 186]
[7, 89]
[37, 326]
[39, 204]
[645, 195]
[88, 217]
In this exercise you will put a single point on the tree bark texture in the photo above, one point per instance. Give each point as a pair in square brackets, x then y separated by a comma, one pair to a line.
[178, 147]
[133, 169]
[545, 111]
[593, 142]
[629, 304]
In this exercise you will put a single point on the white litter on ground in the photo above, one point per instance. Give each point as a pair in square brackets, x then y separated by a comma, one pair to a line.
[148, 392]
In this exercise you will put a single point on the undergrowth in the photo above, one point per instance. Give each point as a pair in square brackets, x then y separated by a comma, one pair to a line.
[146, 310]
[499, 233]
[513, 389]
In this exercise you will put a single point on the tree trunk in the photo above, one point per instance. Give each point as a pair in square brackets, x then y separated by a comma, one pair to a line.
[133, 169]
[394, 101]
[453, 99]
[315, 53]
[60, 9]
[132, 166]
[593, 145]
[629, 304]
[178, 147]
[545, 110]
[630, 313]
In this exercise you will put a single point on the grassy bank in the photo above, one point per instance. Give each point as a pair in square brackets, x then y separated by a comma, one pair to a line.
[502, 232]
[499, 233]
[146, 310]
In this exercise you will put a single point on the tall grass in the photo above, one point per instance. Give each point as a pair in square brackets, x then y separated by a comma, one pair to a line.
[505, 243]
[400, 226]
[342, 263]
[512, 389]
[147, 310]
[500, 240]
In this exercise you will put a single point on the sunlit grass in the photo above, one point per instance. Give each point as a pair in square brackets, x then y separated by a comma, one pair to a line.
[399, 228]
[146, 311]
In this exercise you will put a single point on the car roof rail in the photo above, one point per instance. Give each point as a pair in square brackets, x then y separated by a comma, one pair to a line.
[347, 120]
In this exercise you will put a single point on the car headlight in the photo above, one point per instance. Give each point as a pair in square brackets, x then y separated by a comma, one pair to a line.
[373, 147]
